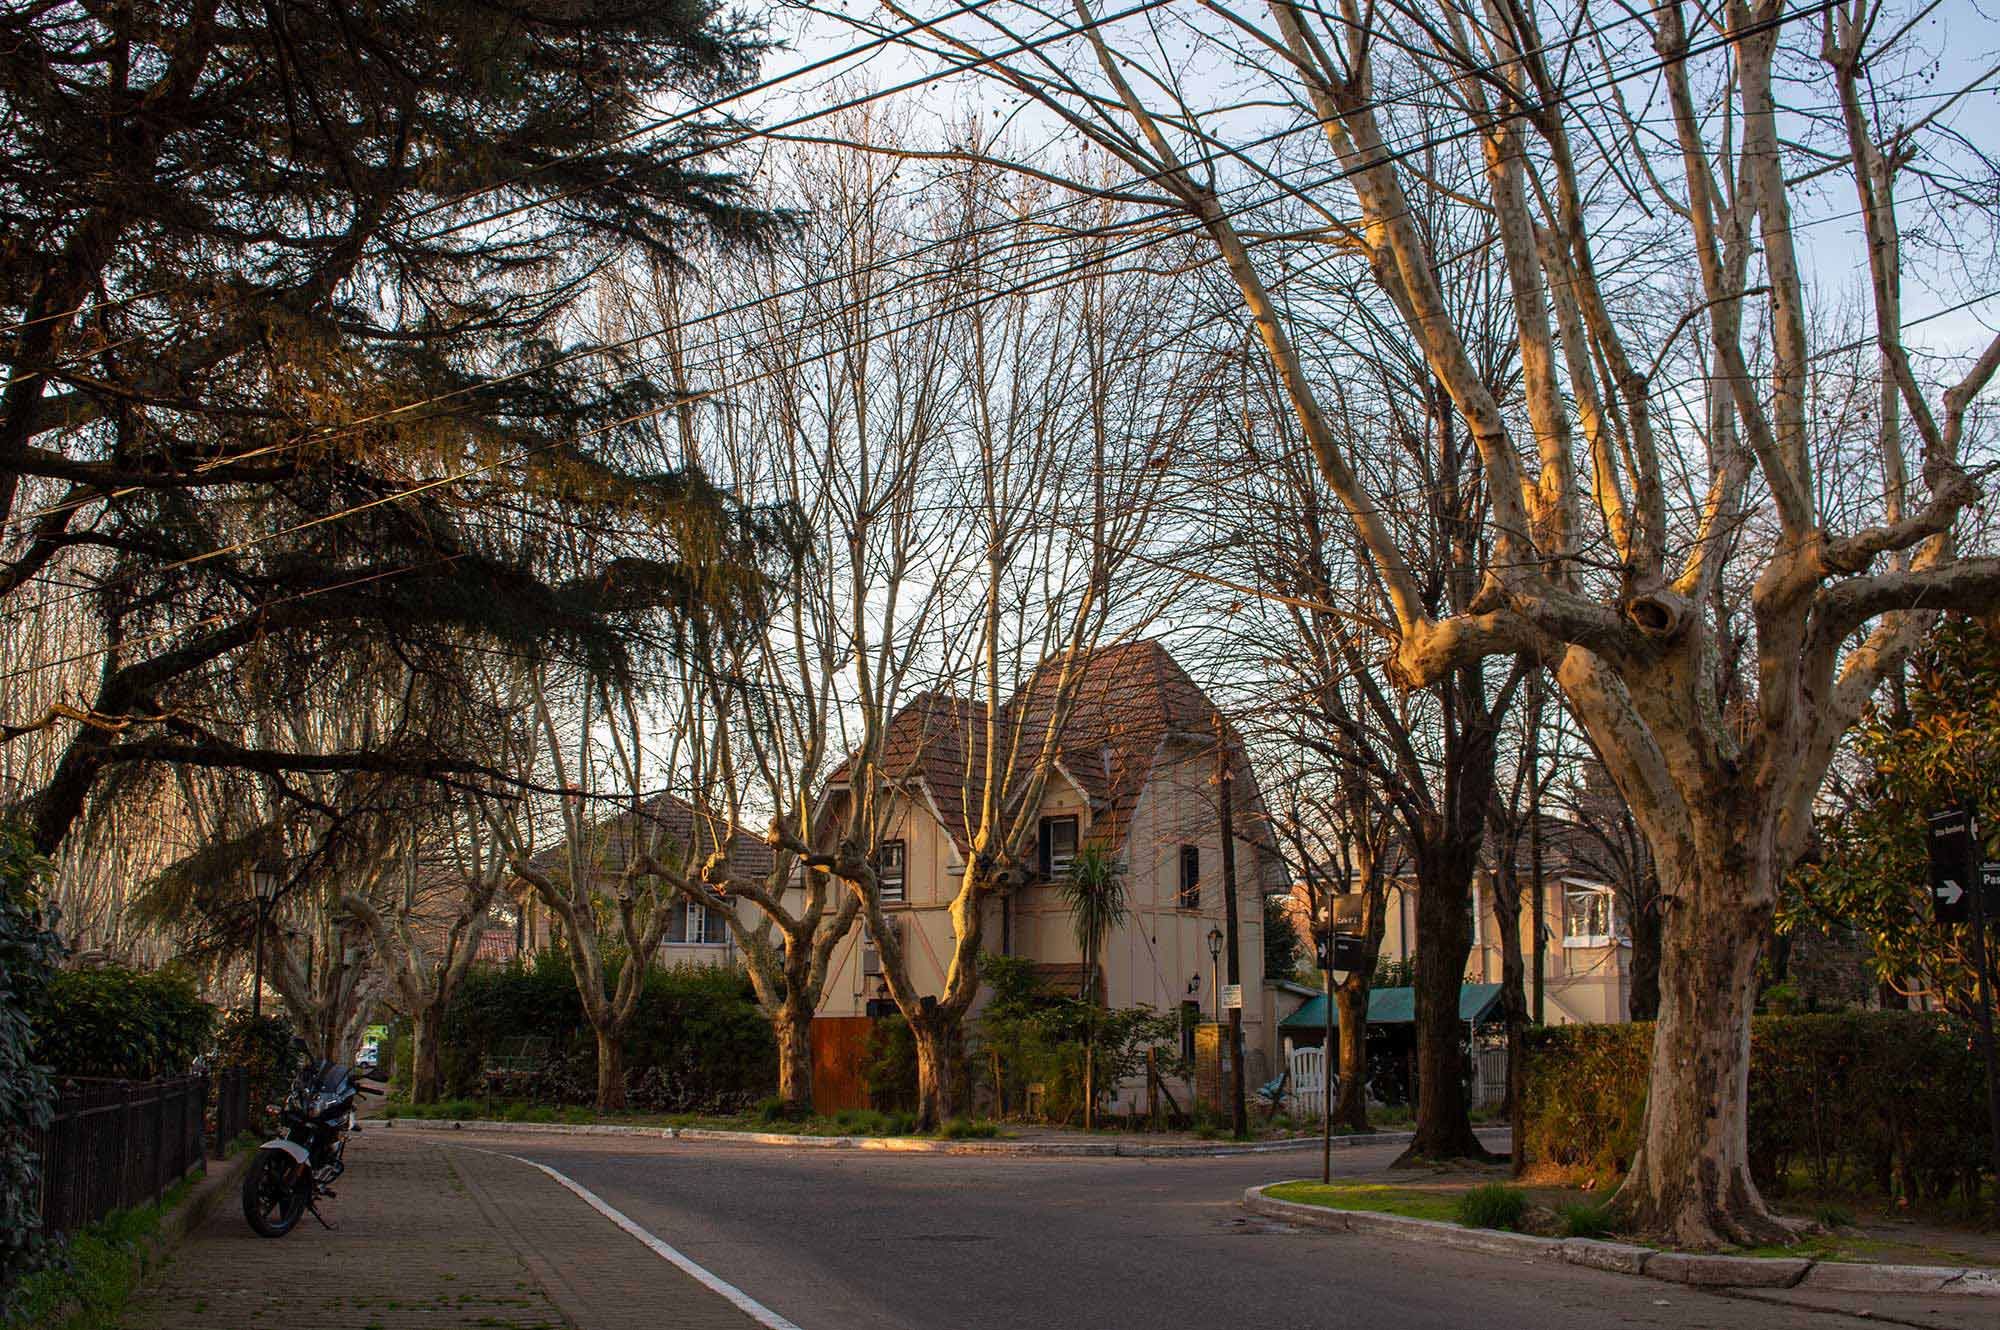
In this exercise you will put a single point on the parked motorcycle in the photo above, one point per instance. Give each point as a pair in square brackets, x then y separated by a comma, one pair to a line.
[293, 1170]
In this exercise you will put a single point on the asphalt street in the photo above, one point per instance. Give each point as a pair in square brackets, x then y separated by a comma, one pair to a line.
[841, 1240]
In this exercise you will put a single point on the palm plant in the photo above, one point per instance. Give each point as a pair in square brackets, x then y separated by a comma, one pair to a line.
[1093, 891]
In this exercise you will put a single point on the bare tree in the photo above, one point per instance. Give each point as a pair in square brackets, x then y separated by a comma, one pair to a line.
[1594, 569]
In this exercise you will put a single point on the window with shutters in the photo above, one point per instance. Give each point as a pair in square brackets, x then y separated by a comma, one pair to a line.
[889, 872]
[1189, 897]
[1058, 845]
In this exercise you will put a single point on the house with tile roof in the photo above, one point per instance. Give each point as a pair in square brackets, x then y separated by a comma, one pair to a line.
[697, 934]
[1135, 775]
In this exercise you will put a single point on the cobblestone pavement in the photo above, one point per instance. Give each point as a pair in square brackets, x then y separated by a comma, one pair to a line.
[428, 1235]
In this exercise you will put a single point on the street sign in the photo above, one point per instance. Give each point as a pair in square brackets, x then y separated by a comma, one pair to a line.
[1345, 956]
[1232, 997]
[1952, 862]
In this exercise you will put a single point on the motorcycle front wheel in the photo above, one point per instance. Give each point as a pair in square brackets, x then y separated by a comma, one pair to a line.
[275, 1192]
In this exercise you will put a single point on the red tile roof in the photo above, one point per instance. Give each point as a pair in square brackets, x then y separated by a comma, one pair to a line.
[1130, 700]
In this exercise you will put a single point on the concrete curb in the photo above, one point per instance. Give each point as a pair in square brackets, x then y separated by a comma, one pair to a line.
[1690, 1268]
[220, 1178]
[901, 1144]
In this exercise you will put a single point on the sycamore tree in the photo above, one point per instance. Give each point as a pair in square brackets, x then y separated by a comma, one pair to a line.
[1686, 426]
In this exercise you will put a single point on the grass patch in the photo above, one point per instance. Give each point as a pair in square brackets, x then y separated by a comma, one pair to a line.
[965, 1129]
[1492, 1205]
[94, 1277]
[1586, 1219]
[1373, 1197]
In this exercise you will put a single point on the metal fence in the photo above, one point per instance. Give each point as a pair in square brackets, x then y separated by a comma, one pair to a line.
[228, 1107]
[117, 1144]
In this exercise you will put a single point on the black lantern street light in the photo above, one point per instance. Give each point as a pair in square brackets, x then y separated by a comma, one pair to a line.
[1214, 976]
[265, 877]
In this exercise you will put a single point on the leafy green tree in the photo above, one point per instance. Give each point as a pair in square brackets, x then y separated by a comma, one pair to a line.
[290, 317]
[1939, 744]
[29, 950]
[1282, 953]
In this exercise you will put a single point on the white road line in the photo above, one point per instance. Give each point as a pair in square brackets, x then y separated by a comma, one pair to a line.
[748, 1305]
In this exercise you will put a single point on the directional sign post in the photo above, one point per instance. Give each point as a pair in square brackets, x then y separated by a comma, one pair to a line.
[1954, 879]
[1958, 896]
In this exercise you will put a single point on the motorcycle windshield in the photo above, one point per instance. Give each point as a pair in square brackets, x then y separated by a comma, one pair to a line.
[330, 1078]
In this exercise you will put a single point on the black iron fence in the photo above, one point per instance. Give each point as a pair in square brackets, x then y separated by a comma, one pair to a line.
[228, 1106]
[117, 1144]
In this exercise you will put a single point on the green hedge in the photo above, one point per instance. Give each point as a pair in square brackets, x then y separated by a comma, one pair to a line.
[29, 951]
[698, 1042]
[119, 1022]
[1887, 1104]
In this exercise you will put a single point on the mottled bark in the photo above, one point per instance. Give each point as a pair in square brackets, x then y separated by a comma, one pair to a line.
[1691, 1181]
[791, 1025]
[937, 1071]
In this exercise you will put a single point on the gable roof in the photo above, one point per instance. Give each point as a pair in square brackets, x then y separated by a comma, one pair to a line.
[1131, 700]
[667, 822]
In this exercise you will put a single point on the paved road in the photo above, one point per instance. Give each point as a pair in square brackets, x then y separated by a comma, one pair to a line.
[845, 1240]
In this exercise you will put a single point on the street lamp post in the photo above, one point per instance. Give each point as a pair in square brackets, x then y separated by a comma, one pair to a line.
[1214, 980]
[1339, 953]
[265, 877]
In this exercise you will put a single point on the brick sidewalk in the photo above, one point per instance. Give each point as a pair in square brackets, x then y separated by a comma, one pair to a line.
[429, 1235]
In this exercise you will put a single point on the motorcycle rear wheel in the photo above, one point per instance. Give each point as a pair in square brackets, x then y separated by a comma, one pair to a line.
[275, 1192]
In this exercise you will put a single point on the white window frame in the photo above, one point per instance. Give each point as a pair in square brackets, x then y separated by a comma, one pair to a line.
[1602, 904]
[697, 932]
[1055, 867]
[894, 877]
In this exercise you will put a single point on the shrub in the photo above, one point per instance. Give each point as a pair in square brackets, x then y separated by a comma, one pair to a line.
[119, 1022]
[28, 955]
[1585, 1220]
[697, 1043]
[263, 1044]
[1494, 1205]
[965, 1129]
[1862, 1103]
[890, 1067]
[1038, 1037]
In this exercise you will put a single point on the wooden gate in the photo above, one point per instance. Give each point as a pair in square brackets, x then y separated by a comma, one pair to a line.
[840, 1053]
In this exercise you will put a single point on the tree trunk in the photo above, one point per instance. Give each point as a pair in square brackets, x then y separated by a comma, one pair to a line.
[1351, 1000]
[792, 1026]
[937, 1082]
[1644, 1002]
[1691, 1182]
[426, 1049]
[610, 1070]
[1444, 940]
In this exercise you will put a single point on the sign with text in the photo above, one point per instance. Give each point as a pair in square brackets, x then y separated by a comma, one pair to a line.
[1953, 865]
[1232, 997]
[1344, 957]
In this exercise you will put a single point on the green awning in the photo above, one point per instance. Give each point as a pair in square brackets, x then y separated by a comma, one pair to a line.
[1477, 1003]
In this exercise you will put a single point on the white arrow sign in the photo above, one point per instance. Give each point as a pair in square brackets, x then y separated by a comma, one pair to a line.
[1948, 891]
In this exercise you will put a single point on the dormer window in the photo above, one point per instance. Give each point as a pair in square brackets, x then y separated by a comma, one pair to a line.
[889, 872]
[1058, 845]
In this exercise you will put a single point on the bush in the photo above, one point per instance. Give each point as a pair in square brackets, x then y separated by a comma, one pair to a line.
[119, 1022]
[698, 1042]
[263, 1044]
[28, 955]
[1875, 1104]
[1039, 1037]
[889, 1068]
[965, 1129]
[1494, 1205]
[1585, 1220]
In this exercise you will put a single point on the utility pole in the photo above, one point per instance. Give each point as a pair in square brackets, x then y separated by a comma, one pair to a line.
[1536, 906]
[1239, 1112]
